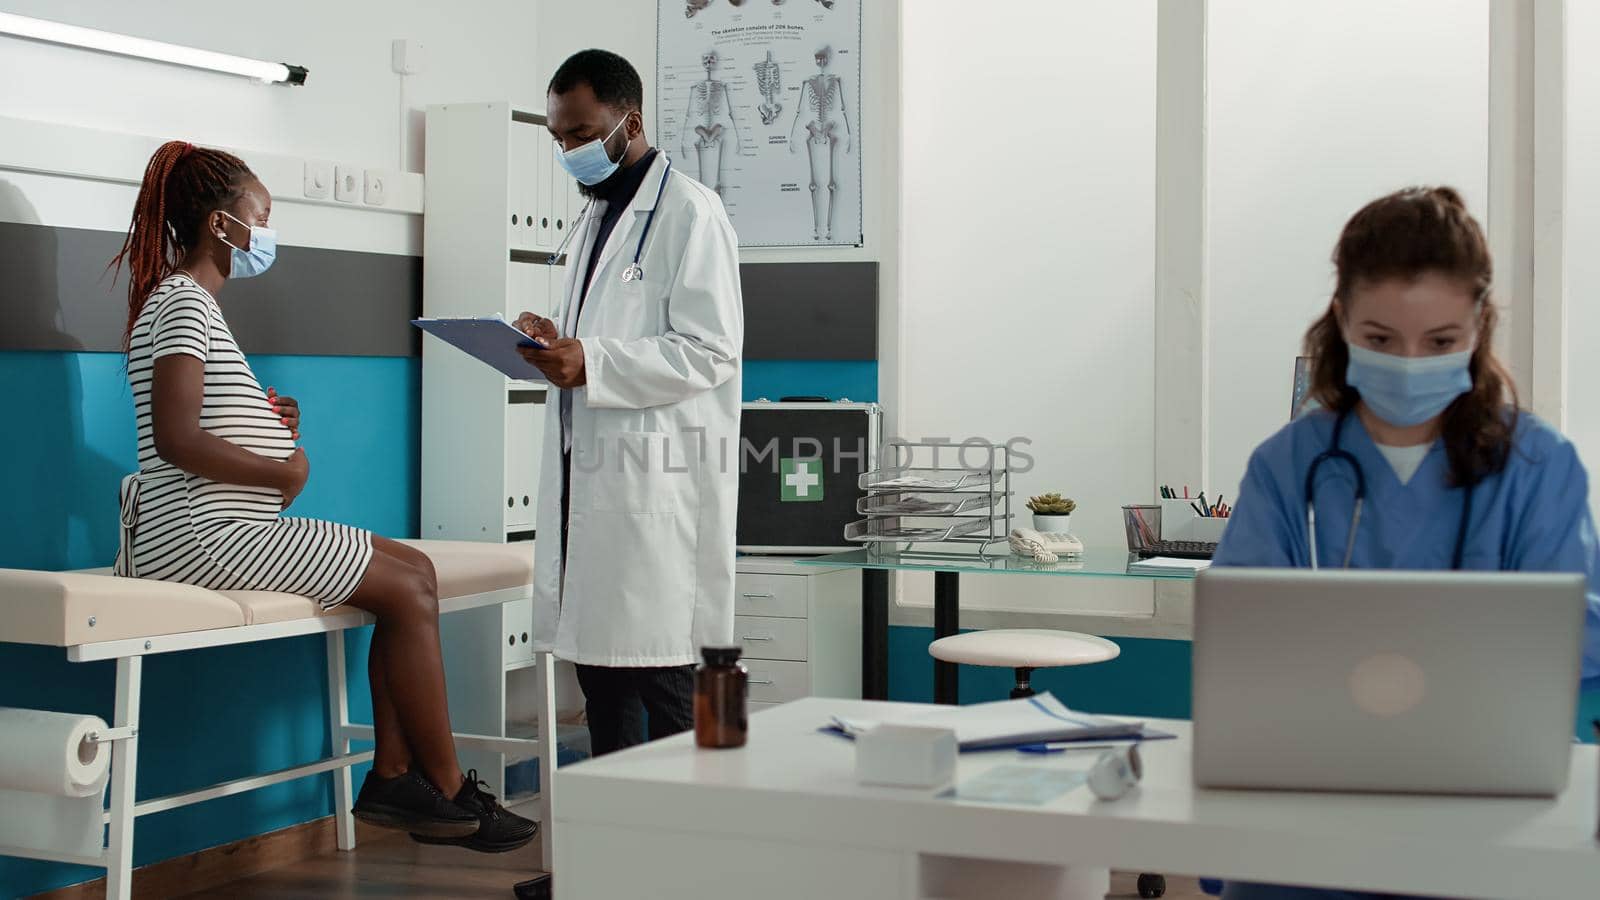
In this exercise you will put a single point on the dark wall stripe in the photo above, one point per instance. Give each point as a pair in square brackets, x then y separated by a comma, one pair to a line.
[810, 310]
[56, 294]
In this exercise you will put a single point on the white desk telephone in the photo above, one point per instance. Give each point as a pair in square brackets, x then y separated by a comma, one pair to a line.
[1044, 547]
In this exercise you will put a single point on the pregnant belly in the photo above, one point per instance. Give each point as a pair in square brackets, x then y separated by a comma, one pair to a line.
[210, 501]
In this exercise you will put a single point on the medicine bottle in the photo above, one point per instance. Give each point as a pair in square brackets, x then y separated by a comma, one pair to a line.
[720, 685]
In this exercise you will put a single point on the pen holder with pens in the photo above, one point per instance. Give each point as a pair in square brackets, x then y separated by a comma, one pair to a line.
[1180, 521]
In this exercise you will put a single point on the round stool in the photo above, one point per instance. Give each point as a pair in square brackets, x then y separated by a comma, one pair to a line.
[1023, 650]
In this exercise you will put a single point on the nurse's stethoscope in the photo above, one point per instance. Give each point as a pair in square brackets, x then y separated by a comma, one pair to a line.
[634, 271]
[1334, 452]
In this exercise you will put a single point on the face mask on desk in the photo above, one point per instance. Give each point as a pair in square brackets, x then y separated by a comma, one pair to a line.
[591, 164]
[1408, 390]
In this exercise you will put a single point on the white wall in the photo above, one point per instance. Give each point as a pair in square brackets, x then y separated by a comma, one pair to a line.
[1583, 236]
[1027, 244]
[1315, 109]
[480, 49]
[350, 109]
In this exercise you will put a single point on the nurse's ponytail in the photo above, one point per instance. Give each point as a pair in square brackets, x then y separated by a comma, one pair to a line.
[1405, 235]
[182, 185]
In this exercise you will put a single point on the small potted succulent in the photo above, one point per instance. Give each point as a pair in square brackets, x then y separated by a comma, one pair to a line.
[1052, 513]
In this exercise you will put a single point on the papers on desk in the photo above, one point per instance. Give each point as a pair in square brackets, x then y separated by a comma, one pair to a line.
[1005, 723]
[1168, 565]
[492, 340]
[1020, 785]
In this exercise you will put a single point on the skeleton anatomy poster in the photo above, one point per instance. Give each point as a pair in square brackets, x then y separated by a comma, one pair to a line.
[760, 100]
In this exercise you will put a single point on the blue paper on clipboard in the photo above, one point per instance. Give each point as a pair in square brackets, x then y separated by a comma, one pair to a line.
[491, 339]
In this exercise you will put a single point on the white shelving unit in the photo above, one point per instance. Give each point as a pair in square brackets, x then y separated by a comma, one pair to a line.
[497, 205]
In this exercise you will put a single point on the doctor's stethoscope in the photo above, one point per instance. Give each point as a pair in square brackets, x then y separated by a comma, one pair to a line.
[634, 271]
[1334, 452]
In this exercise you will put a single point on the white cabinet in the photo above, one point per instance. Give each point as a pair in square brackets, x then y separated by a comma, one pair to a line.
[491, 178]
[800, 629]
[490, 181]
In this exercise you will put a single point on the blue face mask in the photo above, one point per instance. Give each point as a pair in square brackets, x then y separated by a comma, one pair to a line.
[263, 249]
[591, 164]
[1408, 390]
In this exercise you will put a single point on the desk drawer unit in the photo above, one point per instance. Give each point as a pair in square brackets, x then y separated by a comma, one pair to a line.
[800, 630]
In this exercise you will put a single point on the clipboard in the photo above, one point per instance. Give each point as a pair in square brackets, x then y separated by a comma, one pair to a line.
[491, 339]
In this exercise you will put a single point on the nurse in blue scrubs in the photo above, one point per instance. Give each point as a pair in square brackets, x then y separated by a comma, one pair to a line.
[1418, 457]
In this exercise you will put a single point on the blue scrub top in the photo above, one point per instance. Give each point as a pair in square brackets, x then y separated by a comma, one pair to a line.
[1531, 517]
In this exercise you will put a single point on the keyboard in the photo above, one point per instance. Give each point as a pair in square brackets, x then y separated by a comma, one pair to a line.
[1179, 549]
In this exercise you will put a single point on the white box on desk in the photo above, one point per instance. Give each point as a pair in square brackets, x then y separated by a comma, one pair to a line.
[913, 756]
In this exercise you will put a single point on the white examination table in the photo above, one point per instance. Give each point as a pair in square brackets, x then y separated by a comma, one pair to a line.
[97, 616]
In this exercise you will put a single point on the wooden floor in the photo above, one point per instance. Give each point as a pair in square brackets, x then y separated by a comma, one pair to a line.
[398, 867]
[392, 866]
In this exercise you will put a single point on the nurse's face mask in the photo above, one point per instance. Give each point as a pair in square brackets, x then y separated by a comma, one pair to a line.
[1408, 390]
[1410, 348]
[258, 253]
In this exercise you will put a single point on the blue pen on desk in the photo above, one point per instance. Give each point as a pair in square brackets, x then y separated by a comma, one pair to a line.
[1062, 747]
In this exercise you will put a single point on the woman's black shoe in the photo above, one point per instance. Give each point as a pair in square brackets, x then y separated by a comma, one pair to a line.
[499, 829]
[411, 803]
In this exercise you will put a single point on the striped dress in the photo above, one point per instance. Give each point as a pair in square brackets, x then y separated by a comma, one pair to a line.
[178, 526]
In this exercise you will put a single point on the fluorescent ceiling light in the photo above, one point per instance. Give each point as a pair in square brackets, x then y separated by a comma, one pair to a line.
[124, 45]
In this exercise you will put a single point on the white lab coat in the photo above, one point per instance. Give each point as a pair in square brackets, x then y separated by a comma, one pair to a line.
[650, 554]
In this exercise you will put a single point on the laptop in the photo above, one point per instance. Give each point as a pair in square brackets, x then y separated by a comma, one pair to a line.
[1386, 681]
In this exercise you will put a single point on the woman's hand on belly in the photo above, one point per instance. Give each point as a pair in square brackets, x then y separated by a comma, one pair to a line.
[287, 409]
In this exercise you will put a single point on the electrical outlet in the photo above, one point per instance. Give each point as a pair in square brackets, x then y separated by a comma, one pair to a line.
[377, 192]
[318, 179]
[347, 184]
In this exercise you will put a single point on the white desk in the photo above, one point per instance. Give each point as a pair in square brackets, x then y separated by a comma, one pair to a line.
[784, 818]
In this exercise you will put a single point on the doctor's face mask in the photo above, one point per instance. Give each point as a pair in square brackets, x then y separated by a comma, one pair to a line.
[591, 163]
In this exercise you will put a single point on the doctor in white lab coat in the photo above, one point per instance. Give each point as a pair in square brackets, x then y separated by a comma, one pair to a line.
[638, 489]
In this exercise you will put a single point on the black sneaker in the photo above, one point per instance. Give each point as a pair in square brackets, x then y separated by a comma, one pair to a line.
[411, 803]
[499, 829]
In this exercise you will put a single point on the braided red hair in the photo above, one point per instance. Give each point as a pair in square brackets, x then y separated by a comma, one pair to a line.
[182, 185]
